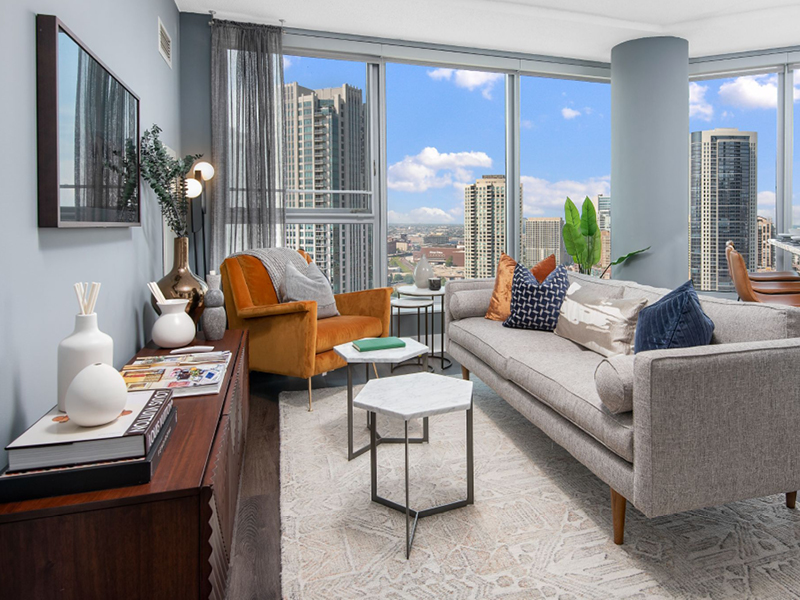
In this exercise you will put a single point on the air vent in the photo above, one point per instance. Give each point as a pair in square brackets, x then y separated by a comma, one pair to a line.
[164, 43]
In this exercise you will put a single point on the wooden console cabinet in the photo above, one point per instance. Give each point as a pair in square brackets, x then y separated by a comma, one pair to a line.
[170, 538]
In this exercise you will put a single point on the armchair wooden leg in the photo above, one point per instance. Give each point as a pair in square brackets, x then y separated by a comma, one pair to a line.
[309, 395]
[464, 373]
[618, 505]
[791, 499]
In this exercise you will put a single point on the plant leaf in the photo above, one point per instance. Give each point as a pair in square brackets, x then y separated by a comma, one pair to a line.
[622, 259]
[588, 218]
[571, 214]
[597, 248]
[574, 243]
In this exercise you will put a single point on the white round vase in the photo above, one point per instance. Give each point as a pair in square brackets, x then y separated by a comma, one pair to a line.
[96, 396]
[174, 328]
[85, 346]
[422, 272]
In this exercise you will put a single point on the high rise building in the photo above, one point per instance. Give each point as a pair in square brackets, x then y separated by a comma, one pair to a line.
[485, 225]
[326, 150]
[766, 251]
[723, 204]
[541, 238]
[604, 212]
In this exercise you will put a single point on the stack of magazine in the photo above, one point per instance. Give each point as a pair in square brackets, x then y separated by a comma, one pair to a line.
[55, 456]
[184, 374]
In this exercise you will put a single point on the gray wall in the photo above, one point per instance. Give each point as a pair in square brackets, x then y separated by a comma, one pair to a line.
[37, 303]
[196, 84]
[650, 159]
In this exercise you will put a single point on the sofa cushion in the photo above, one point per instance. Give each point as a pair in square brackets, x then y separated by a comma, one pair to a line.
[563, 379]
[614, 382]
[500, 304]
[535, 305]
[675, 321]
[345, 328]
[600, 323]
[469, 303]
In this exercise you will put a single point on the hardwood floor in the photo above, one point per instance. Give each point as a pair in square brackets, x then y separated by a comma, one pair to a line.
[255, 571]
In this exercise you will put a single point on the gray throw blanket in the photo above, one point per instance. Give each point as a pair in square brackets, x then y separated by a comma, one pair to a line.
[274, 261]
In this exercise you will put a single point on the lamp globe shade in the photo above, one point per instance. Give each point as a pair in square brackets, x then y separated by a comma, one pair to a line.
[206, 170]
[193, 188]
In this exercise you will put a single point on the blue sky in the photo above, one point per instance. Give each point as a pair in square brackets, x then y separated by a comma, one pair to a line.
[445, 129]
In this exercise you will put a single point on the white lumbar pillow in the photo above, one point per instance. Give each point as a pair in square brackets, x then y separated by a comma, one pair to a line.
[311, 286]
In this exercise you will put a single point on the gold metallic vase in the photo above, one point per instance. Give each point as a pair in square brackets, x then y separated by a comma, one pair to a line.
[181, 283]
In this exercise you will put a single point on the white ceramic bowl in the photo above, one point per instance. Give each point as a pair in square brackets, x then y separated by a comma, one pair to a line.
[96, 396]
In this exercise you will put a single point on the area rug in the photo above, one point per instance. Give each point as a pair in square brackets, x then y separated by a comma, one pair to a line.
[540, 526]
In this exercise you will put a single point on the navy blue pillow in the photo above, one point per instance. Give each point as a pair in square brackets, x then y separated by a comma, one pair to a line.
[676, 321]
[535, 305]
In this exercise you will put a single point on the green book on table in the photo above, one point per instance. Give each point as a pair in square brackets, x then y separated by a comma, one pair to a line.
[386, 343]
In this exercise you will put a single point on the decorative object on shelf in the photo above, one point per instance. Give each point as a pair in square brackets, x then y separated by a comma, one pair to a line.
[166, 176]
[96, 396]
[174, 328]
[434, 283]
[214, 318]
[582, 237]
[85, 345]
[422, 272]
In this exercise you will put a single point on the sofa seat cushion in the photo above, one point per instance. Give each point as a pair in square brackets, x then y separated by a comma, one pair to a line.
[563, 379]
[493, 343]
[345, 328]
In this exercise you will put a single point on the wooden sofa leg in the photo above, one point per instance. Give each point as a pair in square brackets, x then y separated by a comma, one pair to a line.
[791, 499]
[464, 373]
[618, 505]
[309, 396]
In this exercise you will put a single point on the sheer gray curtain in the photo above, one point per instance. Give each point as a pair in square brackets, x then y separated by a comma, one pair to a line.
[248, 139]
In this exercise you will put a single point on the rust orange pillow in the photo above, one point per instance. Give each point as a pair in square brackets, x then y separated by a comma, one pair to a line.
[500, 304]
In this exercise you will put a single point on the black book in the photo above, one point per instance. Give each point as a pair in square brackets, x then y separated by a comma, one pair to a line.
[59, 481]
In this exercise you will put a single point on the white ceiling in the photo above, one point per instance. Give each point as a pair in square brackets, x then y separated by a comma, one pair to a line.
[585, 29]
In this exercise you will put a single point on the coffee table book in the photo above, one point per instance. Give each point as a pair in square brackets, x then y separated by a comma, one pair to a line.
[55, 441]
[59, 481]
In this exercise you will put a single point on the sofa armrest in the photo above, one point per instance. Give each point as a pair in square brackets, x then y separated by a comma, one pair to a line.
[464, 285]
[271, 310]
[715, 424]
[368, 303]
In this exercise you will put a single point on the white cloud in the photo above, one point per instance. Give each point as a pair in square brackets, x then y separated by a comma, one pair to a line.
[287, 62]
[423, 214]
[698, 105]
[527, 124]
[470, 80]
[433, 169]
[544, 197]
[766, 204]
[570, 113]
[751, 91]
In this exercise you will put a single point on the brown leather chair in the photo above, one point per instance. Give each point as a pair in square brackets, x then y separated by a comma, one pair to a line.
[286, 338]
[764, 287]
[769, 275]
[745, 288]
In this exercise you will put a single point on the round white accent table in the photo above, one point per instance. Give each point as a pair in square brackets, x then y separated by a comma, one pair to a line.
[347, 351]
[414, 396]
[418, 304]
[413, 290]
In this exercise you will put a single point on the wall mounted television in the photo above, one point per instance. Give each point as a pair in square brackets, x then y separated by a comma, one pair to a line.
[87, 135]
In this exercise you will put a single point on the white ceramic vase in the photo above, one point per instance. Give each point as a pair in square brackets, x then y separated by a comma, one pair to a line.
[85, 346]
[174, 328]
[422, 272]
[96, 396]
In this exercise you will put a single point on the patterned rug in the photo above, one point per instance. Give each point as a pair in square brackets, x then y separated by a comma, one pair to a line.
[540, 526]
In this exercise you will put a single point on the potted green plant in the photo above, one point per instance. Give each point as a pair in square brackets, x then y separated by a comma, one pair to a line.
[582, 237]
[166, 176]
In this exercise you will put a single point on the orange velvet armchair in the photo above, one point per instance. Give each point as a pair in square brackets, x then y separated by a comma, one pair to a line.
[287, 339]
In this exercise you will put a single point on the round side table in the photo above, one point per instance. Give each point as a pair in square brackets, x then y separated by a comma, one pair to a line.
[416, 292]
[418, 304]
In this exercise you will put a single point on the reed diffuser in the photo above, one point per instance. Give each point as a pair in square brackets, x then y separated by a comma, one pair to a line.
[86, 345]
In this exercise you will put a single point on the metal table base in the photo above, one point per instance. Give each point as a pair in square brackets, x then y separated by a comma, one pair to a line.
[351, 453]
[411, 528]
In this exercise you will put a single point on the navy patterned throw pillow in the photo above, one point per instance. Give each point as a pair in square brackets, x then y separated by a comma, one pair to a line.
[535, 305]
[676, 321]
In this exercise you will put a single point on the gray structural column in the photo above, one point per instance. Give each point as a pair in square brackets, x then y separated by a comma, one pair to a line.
[650, 159]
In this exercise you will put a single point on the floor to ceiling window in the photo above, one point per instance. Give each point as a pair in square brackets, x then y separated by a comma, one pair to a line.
[446, 171]
[328, 167]
[732, 175]
[565, 151]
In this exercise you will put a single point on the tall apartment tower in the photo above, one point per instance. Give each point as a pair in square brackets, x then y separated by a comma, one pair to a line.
[542, 237]
[604, 212]
[766, 251]
[723, 204]
[326, 150]
[485, 225]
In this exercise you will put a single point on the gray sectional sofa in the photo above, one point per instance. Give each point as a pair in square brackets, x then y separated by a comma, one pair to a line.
[709, 425]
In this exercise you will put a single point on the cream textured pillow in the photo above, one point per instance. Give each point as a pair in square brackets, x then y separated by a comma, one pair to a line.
[603, 324]
[613, 379]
